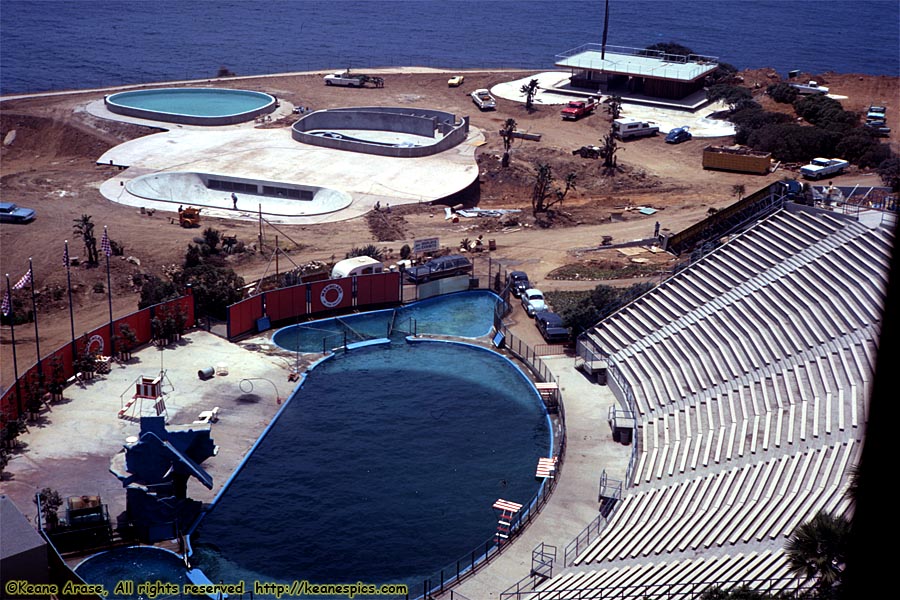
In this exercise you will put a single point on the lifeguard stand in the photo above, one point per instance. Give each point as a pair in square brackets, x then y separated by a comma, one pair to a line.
[146, 388]
[508, 511]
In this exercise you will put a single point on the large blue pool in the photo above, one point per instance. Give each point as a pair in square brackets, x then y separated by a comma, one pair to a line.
[196, 106]
[382, 468]
[462, 315]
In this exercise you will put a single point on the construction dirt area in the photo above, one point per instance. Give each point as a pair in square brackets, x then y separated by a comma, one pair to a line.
[51, 145]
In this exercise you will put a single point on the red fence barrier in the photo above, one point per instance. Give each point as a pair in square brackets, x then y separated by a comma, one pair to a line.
[286, 303]
[12, 404]
[311, 298]
[334, 294]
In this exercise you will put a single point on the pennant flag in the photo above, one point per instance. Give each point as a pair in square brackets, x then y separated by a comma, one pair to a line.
[66, 256]
[104, 243]
[6, 304]
[26, 279]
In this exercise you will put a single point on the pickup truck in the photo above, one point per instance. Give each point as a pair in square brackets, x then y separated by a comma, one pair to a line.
[483, 99]
[625, 128]
[348, 79]
[823, 167]
[810, 88]
[576, 109]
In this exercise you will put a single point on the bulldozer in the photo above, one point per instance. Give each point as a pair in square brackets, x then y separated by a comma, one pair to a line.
[189, 217]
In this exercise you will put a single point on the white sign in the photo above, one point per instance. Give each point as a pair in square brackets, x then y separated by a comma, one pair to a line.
[426, 245]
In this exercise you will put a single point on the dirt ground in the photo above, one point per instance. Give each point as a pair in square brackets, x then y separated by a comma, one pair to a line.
[49, 163]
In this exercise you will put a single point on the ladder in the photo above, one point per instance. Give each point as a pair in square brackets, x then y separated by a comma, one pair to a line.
[508, 511]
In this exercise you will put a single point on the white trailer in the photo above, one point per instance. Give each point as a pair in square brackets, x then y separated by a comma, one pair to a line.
[625, 128]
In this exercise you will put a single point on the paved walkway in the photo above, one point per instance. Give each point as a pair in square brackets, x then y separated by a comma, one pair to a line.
[573, 504]
[70, 447]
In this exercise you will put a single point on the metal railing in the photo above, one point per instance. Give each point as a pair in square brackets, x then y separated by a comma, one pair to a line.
[786, 587]
[483, 554]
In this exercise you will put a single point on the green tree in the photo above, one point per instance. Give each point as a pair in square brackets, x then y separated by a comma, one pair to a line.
[544, 195]
[614, 107]
[84, 228]
[732, 95]
[507, 133]
[608, 152]
[211, 239]
[529, 89]
[738, 190]
[817, 550]
[889, 171]
[50, 501]
[154, 291]
[370, 250]
[782, 92]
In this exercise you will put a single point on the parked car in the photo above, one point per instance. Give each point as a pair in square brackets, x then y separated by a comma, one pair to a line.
[455, 81]
[437, 268]
[533, 301]
[678, 135]
[12, 213]
[518, 282]
[551, 327]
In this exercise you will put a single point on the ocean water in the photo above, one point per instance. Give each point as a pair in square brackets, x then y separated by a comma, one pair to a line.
[75, 44]
[382, 469]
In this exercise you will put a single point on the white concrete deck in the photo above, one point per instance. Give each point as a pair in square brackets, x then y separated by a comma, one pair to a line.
[272, 155]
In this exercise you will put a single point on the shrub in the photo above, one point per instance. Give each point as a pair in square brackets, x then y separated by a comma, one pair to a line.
[154, 290]
[860, 148]
[783, 93]
[730, 94]
[790, 142]
[889, 171]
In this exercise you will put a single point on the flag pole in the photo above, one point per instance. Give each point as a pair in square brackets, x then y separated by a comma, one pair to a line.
[71, 312]
[107, 250]
[37, 340]
[12, 332]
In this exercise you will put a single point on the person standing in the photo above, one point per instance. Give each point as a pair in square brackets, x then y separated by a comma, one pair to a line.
[234, 200]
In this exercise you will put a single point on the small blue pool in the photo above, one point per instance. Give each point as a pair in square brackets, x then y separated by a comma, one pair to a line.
[461, 315]
[382, 468]
[193, 106]
[137, 564]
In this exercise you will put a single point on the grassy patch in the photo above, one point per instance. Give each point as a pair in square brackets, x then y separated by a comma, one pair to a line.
[599, 270]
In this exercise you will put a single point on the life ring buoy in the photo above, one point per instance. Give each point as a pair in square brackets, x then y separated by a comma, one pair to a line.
[95, 340]
[336, 297]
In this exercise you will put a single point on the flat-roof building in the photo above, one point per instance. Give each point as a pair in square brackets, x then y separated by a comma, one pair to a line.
[637, 70]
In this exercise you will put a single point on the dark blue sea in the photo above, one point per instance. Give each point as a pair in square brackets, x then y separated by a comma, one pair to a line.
[77, 44]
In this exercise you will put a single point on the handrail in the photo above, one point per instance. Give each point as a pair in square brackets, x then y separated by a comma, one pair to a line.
[468, 565]
[670, 591]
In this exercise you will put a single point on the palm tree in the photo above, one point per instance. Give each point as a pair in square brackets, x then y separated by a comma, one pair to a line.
[85, 229]
[530, 89]
[509, 128]
[817, 550]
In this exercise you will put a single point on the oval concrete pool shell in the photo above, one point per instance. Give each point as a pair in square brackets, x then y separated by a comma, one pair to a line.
[192, 106]
[382, 130]
[208, 190]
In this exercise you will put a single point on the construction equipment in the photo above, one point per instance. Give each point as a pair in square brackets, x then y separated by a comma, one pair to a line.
[189, 217]
[588, 152]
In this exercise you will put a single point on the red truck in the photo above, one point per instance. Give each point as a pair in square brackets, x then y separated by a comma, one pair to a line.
[579, 108]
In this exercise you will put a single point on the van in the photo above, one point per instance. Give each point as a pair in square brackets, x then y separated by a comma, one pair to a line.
[437, 268]
[358, 265]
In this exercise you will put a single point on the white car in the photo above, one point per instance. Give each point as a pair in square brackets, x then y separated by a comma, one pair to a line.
[533, 301]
